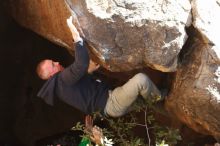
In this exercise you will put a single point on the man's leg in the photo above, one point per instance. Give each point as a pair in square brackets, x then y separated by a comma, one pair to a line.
[121, 98]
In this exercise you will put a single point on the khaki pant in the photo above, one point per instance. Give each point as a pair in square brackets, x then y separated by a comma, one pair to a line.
[121, 98]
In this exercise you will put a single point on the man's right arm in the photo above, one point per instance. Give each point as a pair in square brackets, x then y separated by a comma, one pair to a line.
[75, 71]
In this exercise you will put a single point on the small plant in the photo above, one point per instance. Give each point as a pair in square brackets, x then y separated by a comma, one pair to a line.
[121, 130]
[92, 134]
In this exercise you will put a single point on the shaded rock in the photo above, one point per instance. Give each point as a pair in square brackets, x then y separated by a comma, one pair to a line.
[194, 97]
[47, 18]
[24, 117]
[124, 34]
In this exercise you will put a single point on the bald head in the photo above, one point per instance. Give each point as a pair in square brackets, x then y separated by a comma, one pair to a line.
[47, 68]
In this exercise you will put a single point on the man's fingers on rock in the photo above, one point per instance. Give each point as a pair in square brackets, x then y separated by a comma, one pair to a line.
[71, 18]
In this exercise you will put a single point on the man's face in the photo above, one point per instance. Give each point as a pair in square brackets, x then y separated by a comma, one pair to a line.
[50, 67]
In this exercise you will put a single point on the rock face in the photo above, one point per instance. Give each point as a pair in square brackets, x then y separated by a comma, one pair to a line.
[125, 34]
[46, 18]
[128, 34]
[195, 96]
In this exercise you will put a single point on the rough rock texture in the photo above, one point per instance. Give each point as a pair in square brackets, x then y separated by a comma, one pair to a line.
[195, 97]
[45, 17]
[125, 34]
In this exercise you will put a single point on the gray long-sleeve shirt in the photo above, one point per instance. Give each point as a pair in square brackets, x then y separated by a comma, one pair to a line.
[75, 86]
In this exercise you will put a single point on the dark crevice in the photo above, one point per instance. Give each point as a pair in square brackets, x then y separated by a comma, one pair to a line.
[187, 47]
[20, 109]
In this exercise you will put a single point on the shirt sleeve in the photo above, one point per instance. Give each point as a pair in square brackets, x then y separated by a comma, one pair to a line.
[79, 67]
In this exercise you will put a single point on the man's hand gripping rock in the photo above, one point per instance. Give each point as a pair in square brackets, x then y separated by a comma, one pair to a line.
[73, 30]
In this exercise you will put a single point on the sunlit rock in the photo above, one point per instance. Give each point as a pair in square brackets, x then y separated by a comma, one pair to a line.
[205, 15]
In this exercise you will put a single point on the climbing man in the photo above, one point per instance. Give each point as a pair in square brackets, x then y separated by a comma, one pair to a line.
[75, 85]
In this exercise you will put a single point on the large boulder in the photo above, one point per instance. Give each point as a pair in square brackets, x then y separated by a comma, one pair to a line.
[195, 93]
[125, 34]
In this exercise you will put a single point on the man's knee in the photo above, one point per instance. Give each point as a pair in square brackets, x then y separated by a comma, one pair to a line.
[115, 115]
[142, 79]
[112, 113]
